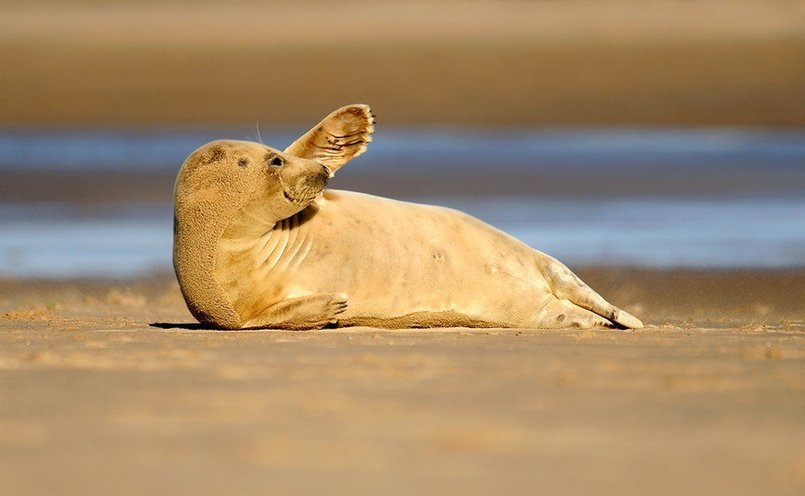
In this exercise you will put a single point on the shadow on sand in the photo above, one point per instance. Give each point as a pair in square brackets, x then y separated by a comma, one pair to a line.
[189, 326]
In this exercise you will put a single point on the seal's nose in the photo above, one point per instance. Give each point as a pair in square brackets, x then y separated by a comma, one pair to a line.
[327, 171]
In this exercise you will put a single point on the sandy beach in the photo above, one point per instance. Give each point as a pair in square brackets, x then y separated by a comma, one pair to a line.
[109, 388]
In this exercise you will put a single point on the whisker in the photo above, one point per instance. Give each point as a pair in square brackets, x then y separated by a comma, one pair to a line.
[257, 127]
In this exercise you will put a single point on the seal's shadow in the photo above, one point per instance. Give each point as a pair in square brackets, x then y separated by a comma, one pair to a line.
[195, 326]
[189, 326]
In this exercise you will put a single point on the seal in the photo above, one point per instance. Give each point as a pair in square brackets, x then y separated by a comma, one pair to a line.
[260, 243]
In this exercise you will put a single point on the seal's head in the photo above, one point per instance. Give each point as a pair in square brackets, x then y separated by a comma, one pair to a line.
[233, 189]
[223, 177]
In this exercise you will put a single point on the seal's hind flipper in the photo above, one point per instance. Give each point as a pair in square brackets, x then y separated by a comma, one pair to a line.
[567, 285]
[561, 313]
[340, 137]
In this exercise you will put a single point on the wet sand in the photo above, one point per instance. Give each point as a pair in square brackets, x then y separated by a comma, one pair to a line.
[92, 190]
[106, 390]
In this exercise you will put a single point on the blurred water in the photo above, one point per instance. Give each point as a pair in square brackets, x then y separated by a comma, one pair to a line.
[156, 148]
[49, 241]
[762, 228]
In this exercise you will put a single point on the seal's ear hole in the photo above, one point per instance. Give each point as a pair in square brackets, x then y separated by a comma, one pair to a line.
[243, 162]
[276, 161]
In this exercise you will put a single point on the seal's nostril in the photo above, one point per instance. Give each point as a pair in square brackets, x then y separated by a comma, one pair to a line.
[327, 171]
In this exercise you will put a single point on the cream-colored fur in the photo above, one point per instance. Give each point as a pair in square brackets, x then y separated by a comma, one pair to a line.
[260, 243]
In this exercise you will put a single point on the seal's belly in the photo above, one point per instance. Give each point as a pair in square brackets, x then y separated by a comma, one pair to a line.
[394, 258]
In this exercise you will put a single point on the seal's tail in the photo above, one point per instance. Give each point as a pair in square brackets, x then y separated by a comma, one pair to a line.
[565, 284]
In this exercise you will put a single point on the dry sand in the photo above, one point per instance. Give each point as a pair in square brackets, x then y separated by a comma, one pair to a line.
[705, 62]
[708, 399]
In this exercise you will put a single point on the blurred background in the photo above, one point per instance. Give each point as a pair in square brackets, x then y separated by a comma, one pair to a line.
[653, 133]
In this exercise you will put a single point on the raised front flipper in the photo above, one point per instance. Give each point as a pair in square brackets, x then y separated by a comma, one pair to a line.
[340, 137]
[305, 312]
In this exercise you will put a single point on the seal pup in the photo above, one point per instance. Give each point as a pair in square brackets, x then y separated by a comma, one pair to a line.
[259, 243]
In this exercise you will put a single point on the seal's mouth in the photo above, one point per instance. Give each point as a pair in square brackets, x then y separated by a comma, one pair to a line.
[304, 191]
[288, 196]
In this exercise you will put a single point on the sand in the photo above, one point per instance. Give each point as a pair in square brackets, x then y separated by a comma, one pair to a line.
[106, 389]
[492, 63]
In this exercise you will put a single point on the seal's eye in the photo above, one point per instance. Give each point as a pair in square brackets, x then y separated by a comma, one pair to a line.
[243, 162]
[277, 162]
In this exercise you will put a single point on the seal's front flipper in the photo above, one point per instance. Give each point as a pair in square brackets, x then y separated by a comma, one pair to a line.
[306, 312]
[340, 137]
